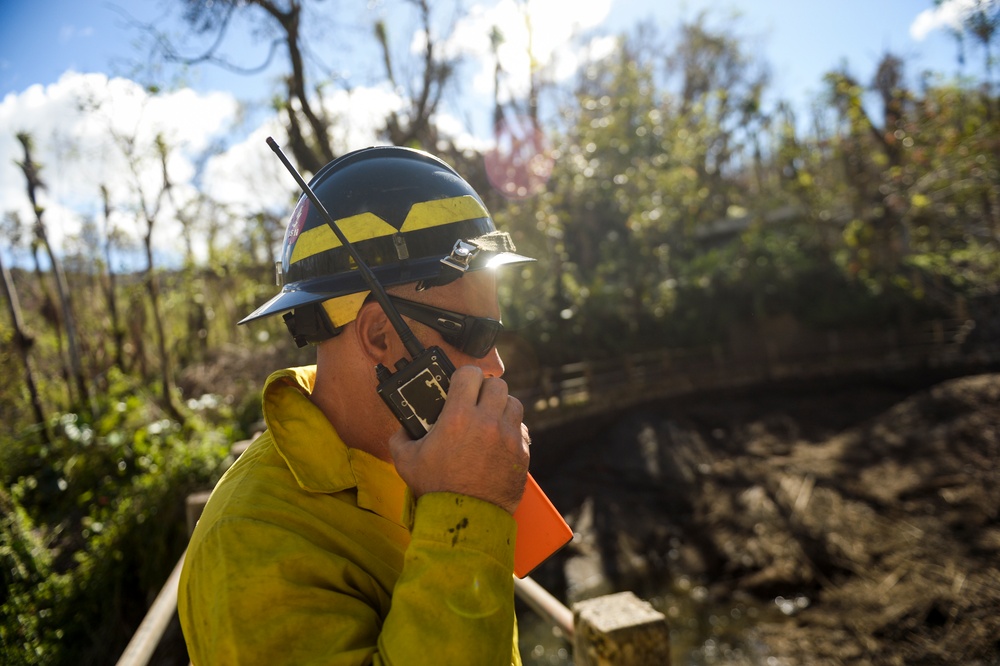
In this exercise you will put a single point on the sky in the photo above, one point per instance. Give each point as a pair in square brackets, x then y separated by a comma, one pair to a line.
[55, 53]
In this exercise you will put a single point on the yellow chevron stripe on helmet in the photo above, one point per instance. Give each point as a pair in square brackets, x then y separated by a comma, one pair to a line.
[426, 214]
[365, 226]
[357, 228]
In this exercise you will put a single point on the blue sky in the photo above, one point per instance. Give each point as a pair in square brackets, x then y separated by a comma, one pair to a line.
[41, 39]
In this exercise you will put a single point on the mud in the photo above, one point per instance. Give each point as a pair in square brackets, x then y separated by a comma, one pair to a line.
[813, 524]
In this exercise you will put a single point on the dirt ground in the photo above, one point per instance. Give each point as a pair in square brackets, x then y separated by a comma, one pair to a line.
[856, 523]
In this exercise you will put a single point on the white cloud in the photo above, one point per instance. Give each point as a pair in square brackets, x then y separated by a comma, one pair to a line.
[458, 134]
[536, 34]
[248, 177]
[358, 116]
[81, 123]
[948, 14]
[74, 122]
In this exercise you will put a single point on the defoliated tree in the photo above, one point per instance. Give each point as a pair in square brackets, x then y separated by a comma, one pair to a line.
[307, 123]
[23, 342]
[981, 22]
[414, 128]
[110, 282]
[149, 210]
[32, 175]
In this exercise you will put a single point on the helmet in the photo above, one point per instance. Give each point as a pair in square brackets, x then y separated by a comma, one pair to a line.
[410, 217]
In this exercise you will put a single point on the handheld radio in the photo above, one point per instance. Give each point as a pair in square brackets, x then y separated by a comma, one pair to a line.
[416, 392]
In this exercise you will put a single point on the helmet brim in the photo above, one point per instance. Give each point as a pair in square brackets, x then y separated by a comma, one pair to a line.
[317, 290]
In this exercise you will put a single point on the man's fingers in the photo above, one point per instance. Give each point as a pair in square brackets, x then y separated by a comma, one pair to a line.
[466, 383]
[493, 394]
[479, 446]
[401, 446]
[470, 389]
[514, 410]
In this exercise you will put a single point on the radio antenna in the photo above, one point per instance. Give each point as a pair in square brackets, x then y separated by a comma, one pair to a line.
[410, 341]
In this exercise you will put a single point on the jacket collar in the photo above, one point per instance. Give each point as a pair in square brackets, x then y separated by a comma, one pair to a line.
[318, 457]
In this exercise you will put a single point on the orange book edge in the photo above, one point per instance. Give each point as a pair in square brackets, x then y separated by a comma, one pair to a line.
[541, 530]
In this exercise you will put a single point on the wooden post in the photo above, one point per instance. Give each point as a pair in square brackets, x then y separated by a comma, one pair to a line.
[196, 501]
[194, 505]
[620, 630]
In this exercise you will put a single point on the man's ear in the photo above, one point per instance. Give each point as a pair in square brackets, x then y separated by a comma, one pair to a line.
[373, 333]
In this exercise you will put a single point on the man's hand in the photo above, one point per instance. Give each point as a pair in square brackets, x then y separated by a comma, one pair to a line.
[478, 447]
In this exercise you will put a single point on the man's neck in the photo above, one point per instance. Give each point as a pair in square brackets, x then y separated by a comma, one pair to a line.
[356, 412]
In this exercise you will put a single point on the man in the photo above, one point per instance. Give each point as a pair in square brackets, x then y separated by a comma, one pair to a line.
[335, 538]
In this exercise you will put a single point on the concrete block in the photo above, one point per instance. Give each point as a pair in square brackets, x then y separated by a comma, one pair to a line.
[620, 630]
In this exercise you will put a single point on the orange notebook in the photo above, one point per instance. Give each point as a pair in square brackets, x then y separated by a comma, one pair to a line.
[541, 530]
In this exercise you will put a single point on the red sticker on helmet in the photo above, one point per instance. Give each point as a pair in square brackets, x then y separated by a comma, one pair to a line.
[295, 224]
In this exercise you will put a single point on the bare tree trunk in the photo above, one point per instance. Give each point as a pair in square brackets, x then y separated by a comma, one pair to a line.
[137, 329]
[314, 157]
[50, 312]
[34, 183]
[417, 127]
[152, 287]
[166, 366]
[24, 342]
[111, 286]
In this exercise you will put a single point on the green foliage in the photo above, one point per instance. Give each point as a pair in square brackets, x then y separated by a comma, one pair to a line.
[27, 567]
[94, 522]
[680, 207]
[767, 273]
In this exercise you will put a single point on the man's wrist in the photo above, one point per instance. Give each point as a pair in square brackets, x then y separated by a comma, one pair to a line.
[463, 521]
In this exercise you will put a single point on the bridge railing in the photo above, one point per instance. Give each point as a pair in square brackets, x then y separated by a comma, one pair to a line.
[577, 389]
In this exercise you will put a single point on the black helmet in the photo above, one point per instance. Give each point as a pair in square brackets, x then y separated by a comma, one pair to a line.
[409, 215]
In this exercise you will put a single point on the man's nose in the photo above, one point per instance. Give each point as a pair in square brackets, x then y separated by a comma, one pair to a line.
[491, 364]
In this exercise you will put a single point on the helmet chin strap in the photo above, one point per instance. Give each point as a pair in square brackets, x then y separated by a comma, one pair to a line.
[309, 324]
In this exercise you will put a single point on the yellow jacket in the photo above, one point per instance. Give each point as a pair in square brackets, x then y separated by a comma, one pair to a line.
[310, 552]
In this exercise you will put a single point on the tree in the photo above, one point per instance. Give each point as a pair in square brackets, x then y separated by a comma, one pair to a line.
[923, 181]
[23, 342]
[149, 209]
[34, 183]
[980, 20]
[306, 121]
[109, 280]
[720, 96]
[873, 158]
[415, 128]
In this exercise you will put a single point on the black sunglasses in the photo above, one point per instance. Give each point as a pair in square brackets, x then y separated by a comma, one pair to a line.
[471, 335]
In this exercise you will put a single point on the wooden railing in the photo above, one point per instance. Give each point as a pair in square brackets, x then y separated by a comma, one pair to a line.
[586, 388]
[147, 637]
